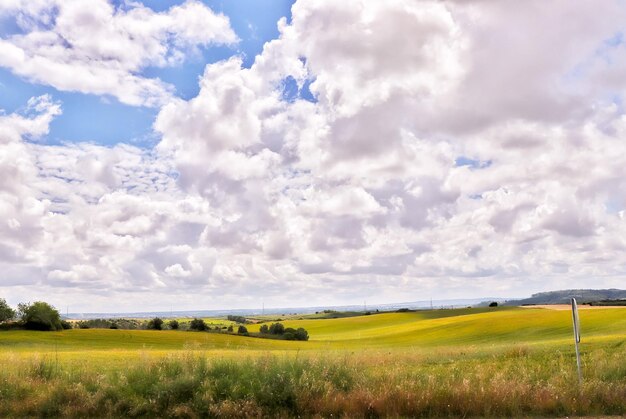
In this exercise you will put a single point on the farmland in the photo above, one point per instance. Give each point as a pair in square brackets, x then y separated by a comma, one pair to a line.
[504, 361]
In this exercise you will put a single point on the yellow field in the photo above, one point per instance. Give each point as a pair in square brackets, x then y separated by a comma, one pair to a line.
[511, 361]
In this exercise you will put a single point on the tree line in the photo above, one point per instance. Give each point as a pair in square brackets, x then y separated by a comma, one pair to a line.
[32, 316]
[42, 316]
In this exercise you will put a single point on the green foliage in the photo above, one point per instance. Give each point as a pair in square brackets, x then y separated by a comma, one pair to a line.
[230, 328]
[301, 334]
[242, 330]
[276, 329]
[295, 334]
[198, 324]
[66, 325]
[6, 312]
[237, 319]
[493, 304]
[155, 324]
[126, 324]
[173, 324]
[39, 316]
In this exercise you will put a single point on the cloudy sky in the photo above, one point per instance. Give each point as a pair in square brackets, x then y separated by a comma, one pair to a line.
[222, 154]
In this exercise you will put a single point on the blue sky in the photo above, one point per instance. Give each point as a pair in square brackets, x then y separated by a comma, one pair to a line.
[120, 123]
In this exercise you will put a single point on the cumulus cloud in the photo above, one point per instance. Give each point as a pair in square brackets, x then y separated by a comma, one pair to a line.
[449, 150]
[94, 47]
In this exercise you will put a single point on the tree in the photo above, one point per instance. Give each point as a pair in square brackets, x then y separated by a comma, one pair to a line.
[173, 324]
[230, 328]
[493, 304]
[6, 312]
[197, 324]
[155, 324]
[242, 330]
[39, 316]
[264, 329]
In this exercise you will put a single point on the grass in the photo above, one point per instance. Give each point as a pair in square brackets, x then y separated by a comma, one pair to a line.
[471, 362]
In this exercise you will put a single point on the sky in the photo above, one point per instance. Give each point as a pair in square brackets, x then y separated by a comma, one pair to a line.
[227, 154]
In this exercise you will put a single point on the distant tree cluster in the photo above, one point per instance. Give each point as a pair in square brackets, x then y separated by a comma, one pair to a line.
[288, 333]
[32, 316]
[155, 324]
[126, 324]
[237, 319]
[198, 324]
[42, 316]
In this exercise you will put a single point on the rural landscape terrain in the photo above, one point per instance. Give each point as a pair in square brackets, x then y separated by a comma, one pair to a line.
[491, 361]
[312, 208]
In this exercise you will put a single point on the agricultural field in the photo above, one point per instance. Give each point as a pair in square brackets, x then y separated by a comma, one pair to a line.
[465, 362]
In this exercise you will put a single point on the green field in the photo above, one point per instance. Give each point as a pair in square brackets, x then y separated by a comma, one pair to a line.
[504, 361]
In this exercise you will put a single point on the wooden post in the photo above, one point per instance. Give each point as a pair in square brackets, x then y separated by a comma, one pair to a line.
[577, 338]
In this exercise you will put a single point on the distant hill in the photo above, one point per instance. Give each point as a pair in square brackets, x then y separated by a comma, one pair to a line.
[563, 297]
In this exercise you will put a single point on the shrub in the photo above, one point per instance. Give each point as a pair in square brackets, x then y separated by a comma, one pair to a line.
[173, 324]
[290, 334]
[66, 325]
[236, 319]
[493, 304]
[264, 329]
[39, 316]
[230, 328]
[155, 324]
[242, 330]
[277, 329]
[197, 324]
[302, 334]
[293, 334]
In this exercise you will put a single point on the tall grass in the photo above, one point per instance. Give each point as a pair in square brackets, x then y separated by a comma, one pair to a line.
[517, 382]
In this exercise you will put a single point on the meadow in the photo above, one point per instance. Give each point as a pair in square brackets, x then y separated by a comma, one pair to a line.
[465, 362]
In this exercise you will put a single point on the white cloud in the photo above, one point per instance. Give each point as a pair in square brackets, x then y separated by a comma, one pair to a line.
[90, 46]
[356, 195]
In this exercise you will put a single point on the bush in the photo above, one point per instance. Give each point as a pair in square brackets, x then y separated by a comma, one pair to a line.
[264, 329]
[66, 325]
[173, 324]
[290, 334]
[293, 334]
[277, 329]
[493, 304]
[230, 328]
[39, 316]
[237, 319]
[155, 324]
[6, 312]
[242, 330]
[302, 334]
[198, 324]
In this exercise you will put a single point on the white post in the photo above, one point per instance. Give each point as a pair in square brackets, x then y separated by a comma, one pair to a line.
[577, 338]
